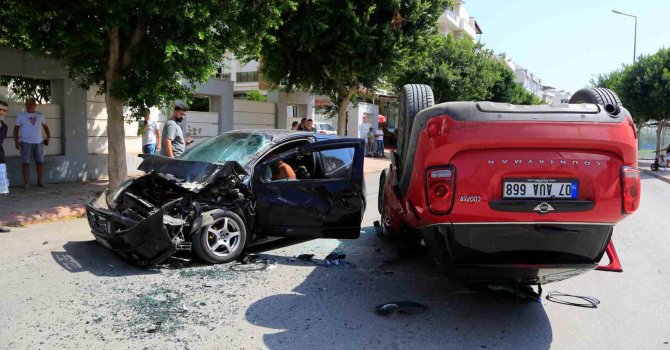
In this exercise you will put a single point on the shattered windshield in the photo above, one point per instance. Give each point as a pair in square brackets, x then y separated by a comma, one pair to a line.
[239, 147]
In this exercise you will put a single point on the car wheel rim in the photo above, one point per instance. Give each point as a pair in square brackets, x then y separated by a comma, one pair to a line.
[223, 237]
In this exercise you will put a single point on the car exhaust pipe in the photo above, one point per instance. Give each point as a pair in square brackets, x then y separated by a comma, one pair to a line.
[612, 109]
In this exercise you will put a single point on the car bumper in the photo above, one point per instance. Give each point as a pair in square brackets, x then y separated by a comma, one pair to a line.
[525, 253]
[145, 242]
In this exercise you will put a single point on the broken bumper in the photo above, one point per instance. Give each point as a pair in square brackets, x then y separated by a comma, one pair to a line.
[529, 253]
[144, 242]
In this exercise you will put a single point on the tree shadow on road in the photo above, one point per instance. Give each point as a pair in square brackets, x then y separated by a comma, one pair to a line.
[335, 307]
[82, 256]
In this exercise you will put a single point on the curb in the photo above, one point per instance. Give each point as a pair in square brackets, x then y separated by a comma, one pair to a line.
[43, 216]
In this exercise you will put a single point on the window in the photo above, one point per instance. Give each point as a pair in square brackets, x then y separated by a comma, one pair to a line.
[337, 163]
[245, 77]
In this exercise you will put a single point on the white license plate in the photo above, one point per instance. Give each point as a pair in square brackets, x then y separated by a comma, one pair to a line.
[540, 188]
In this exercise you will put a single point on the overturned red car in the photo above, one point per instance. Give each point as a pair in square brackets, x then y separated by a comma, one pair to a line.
[501, 193]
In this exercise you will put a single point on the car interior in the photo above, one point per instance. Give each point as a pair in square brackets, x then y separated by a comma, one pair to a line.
[318, 165]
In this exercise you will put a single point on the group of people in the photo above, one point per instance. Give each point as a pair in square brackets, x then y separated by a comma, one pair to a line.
[304, 125]
[30, 144]
[173, 141]
[375, 143]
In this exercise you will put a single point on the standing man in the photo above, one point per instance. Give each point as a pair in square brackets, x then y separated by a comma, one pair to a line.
[309, 126]
[4, 179]
[32, 144]
[370, 144]
[174, 143]
[151, 136]
[380, 141]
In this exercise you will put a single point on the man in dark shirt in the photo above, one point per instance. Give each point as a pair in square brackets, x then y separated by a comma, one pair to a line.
[4, 180]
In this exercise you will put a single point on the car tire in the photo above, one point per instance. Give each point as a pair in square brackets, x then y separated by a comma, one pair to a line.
[601, 96]
[654, 167]
[413, 99]
[223, 240]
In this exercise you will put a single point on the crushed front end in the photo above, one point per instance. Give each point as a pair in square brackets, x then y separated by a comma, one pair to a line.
[151, 218]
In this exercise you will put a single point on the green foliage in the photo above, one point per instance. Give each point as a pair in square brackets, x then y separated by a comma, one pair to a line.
[23, 88]
[255, 95]
[461, 70]
[644, 87]
[334, 47]
[160, 44]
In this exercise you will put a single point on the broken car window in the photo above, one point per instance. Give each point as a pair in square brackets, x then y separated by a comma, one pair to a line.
[239, 147]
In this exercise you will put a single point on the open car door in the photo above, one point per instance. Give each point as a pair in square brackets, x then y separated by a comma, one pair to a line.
[327, 200]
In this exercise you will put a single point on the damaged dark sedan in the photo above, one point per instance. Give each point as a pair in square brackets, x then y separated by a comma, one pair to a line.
[227, 193]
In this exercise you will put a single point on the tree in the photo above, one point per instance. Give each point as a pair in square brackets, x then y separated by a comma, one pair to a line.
[336, 47]
[139, 52]
[644, 89]
[461, 70]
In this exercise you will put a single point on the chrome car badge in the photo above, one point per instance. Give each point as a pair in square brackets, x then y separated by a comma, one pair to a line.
[544, 208]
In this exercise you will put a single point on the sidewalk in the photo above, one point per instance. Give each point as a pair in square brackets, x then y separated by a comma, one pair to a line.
[662, 174]
[68, 200]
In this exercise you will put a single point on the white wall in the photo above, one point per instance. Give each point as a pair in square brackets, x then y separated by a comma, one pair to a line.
[356, 126]
[253, 115]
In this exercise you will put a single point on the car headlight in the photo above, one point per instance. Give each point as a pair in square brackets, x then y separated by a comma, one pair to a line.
[119, 190]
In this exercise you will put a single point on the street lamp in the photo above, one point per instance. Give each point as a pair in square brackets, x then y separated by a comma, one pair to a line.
[635, 37]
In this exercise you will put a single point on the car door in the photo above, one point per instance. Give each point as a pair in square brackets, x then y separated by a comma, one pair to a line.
[327, 203]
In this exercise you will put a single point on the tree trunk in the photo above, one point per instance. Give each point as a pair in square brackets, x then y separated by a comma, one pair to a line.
[116, 141]
[342, 106]
[116, 134]
[659, 133]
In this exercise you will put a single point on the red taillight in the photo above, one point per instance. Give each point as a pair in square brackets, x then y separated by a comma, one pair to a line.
[440, 188]
[436, 127]
[630, 188]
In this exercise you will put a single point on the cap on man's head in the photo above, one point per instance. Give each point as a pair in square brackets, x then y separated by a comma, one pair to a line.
[180, 107]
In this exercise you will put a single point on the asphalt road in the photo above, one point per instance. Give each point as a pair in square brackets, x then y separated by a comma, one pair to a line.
[59, 289]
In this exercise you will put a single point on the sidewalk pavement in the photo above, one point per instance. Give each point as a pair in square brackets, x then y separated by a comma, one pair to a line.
[662, 174]
[68, 200]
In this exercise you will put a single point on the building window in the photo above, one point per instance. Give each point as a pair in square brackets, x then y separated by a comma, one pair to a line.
[244, 77]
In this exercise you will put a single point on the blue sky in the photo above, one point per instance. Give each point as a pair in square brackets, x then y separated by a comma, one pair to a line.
[565, 41]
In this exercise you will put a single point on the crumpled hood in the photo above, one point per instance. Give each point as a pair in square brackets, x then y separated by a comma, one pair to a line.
[190, 175]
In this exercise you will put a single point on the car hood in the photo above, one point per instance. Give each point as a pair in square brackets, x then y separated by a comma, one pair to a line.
[188, 174]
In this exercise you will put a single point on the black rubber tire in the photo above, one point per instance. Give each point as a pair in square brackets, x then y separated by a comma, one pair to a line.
[199, 240]
[654, 167]
[600, 96]
[380, 194]
[413, 99]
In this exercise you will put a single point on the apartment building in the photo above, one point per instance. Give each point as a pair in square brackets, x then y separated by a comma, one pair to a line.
[459, 23]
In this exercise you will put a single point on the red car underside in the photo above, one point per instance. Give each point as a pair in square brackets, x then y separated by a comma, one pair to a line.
[452, 192]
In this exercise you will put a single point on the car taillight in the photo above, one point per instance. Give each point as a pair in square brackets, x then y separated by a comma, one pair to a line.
[322, 132]
[630, 187]
[440, 183]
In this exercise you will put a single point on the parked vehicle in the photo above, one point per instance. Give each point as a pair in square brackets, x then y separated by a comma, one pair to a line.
[511, 194]
[325, 129]
[660, 160]
[220, 196]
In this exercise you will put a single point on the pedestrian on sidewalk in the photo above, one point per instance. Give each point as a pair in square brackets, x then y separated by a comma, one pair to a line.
[151, 136]
[4, 179]
[380, 141]
[32, 143]
[173, 136]
[370, 144]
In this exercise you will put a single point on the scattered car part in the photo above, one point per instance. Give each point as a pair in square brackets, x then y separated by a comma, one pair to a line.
[562, 298]
[401, 307]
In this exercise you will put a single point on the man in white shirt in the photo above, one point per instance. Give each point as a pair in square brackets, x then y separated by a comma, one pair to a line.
[379, 134]
[151, 136]
[31, 143]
